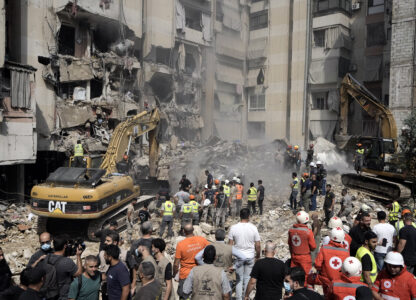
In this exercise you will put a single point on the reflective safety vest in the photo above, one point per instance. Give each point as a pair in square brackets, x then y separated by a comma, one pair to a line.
[296, 185]
[360, 151]
[168, 209]
[346, 287]
[195, 206]
[394, 212]
[301, 240]
[78, 150]
[239, 194]
[373, 273]
[227, 190]
[187, 208]
[399, 225]
[329, 260]
[252, 196]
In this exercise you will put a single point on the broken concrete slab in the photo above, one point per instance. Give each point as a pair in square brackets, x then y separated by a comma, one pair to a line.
[72, 115]
[75, 70]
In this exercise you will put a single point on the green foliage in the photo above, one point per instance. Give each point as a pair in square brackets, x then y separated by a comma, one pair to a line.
[408, 136]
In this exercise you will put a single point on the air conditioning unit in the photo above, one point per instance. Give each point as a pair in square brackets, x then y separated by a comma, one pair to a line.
[355, 6]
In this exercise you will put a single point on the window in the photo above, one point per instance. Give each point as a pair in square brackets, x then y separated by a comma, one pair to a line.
[259, 20]
[375, 34]
[320, 101]
[256, 130]
[253, 1]
[319, 38]
[163, 56]
[193, 18]
[343, 66]
[329, 6]
[257, 102]
[375, 7]
[66, 40]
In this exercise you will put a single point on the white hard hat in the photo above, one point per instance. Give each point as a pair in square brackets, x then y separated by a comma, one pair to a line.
[337, 235]
[238, 180]
[394, 258]
[213, 187]
[351, 267]
[346, 228]
[235, 178]
[207, 202]
[319, 162]
[206, 186]
[325, 240]
[335, 222]
[302, 217]
[365, 207]
[312, 164]
[227, 181]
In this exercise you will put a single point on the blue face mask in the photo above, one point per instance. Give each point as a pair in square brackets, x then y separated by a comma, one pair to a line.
[46, 247]
[137, 252]
[287, 286]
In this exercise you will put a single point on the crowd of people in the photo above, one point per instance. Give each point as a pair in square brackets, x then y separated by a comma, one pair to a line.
[361, 263]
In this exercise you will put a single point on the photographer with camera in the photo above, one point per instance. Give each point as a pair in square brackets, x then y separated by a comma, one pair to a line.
[60, 269]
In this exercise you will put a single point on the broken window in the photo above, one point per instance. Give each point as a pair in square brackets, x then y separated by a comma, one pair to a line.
[320, 101]
[163, 56]
[66, 40]
[96, 88]
[190, 64]
[257, 102]
[184, 99]
[319, 38]
[105, 35]
[67, 89]
[375, 7]
[259, 20]
[343, 66]
[256, 130]
[193, 18]
[375, 34]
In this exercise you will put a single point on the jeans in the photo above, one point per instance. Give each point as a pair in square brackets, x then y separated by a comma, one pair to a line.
[313, 202]
[323, 186]
[379, 257]
[243, 276]
[237, 204]
[328, 215]
[220, 216]
[260, 203]
[169, 223]
[252, 207]
[292, 199]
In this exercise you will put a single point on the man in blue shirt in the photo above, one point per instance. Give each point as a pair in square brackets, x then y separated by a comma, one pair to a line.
[118, 277]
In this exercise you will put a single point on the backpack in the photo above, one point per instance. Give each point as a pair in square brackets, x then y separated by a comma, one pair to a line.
[50, 288]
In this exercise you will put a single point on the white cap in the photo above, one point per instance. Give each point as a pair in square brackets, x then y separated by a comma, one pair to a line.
[227, 181]
[351, 267]
[312, 164]
[335, 222]
[365, 207]
[319, 162]
[337, 235]
[302, 217]
[394, 258]
[206, 186]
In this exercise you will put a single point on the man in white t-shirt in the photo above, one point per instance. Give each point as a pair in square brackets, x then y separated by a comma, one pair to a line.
[245, 237]
[385, 233]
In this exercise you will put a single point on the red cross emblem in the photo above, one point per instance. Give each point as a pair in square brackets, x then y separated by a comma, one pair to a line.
[296, 241]
[335, 262]
[387, 284]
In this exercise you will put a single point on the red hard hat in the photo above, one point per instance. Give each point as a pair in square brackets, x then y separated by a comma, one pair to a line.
[192, 197]
[289, 146]
[217, 181]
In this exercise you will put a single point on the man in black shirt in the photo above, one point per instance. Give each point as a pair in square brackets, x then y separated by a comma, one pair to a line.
[260, 195]
[36, 277]
[45, 242]
[185, 184]
[144, 214]
[267, 275]
[329, 204]
[314, 191]
[101, 234]
[407, 243]
[14, 291]
[210, 180]
[297, 284]
[358, 231]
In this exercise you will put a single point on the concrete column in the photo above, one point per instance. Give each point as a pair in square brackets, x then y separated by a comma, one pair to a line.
[20, 187]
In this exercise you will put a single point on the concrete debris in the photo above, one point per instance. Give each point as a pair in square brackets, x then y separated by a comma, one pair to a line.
[327, 152]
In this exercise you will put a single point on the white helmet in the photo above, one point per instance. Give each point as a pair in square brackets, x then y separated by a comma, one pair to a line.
[337, 235]
[235, 178]
[312, 164]
[213, 187]
[227, 181]
[335, 222]
[238, 180]
[346, 228]
[206, 186]
[394, 258]
[302, 217]
[365, 207]
[319, 162]
[351, 267]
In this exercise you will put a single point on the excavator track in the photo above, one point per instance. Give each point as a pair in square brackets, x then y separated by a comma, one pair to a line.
[376, 187]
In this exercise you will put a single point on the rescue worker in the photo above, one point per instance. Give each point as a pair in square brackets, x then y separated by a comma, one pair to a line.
[195, 210]
[312, 169]
[394, 281]
[220, 208]
[238, 201]
[321, 176]
[335, 222]
[123, 166]
[294, 185]
[297, 158]
[346, 205]
[400, 224]
[260, 195]
[185, 215]
[252, 198]
[301, 242]
[167, 212]
[288, 158]
[227, 192]
[329, 260]
[305, 191]
[359, 158]
[345, 287]
[309, 155]
[366, 257]
[207, 203]
[394, 211]
[79, 155]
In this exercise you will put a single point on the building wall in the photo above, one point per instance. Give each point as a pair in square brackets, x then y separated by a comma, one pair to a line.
[402, 65]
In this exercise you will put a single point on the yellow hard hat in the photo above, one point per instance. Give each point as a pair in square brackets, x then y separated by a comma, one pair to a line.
[296, 147]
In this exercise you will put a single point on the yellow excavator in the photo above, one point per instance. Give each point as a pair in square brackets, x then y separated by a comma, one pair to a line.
[87, 198]
[384, 175]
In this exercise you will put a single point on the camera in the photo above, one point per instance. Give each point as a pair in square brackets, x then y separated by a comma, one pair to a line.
[73, 245]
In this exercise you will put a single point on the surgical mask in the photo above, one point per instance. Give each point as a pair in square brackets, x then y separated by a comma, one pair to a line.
[46, 247]
[287, 286]
[137, 252]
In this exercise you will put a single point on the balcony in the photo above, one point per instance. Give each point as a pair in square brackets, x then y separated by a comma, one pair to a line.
[326, 7]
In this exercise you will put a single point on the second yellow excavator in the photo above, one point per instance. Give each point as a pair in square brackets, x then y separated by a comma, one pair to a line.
[96, 195]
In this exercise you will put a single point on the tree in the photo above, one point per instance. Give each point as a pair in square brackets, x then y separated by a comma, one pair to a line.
[408, 142]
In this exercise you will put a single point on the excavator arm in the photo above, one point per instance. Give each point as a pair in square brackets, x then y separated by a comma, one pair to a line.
[381, 114]
[123, 135]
